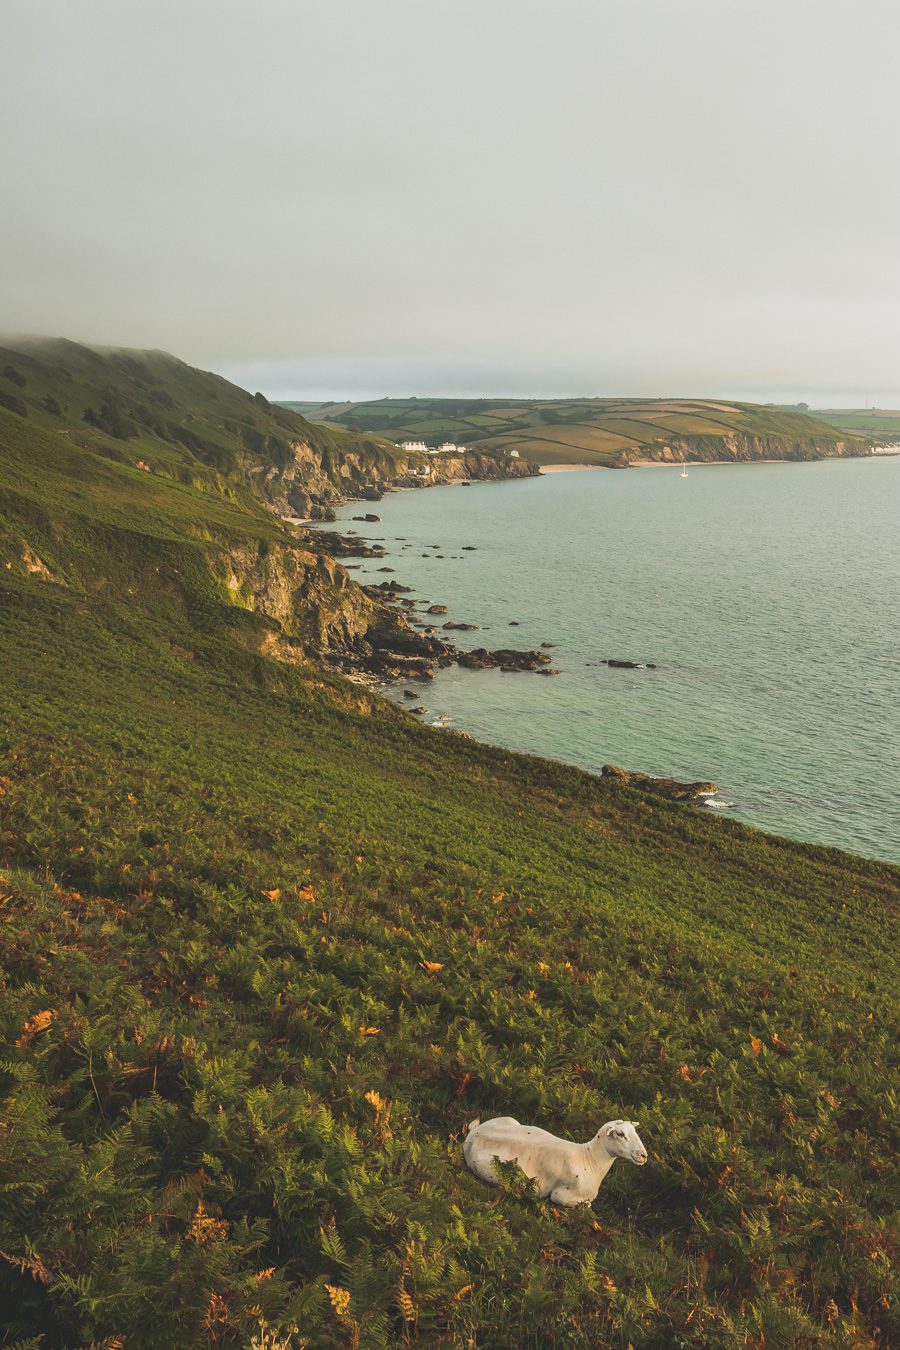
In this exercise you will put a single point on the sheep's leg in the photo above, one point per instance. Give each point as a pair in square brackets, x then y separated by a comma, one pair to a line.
[567, 1195]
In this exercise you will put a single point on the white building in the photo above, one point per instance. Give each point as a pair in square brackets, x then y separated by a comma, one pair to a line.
[414, 447]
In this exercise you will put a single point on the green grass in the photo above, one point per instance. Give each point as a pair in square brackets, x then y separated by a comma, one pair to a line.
[151, 408]
[267, 944]
[593, 429]
[862, 420]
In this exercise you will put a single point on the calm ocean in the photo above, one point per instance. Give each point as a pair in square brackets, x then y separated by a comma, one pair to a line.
[767, 594]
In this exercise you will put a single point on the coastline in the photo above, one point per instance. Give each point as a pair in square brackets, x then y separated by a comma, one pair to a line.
[566, 468]
[700, 463]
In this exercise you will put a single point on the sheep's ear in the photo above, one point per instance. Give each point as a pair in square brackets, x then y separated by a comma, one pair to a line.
[633, 1123]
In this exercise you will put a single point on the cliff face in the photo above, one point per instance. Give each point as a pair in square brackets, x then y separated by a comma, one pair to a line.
[738, 448]
[310, 485]
[315, 611]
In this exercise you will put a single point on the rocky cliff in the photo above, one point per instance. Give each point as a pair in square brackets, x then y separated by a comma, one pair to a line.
[316, 611]
[310, 485]
[740, 447]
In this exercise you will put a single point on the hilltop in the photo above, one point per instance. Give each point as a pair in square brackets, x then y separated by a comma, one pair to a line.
[604, 431]
[149, 409]
[267, 945]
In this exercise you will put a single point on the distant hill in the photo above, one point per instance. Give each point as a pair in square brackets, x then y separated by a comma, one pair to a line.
[613, 432]
[876, 423]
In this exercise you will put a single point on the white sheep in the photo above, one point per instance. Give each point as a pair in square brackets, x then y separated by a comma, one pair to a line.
[564, 1172]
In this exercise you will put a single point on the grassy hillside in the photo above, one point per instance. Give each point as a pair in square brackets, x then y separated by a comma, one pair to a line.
[267, 944]
[596, 431]
[150, 405]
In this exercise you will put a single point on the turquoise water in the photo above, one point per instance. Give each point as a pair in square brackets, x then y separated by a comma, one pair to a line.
[768, 595]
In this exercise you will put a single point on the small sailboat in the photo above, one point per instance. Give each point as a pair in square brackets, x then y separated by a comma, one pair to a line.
[683, 469]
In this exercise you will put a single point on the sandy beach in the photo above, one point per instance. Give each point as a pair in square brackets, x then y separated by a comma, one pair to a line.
[568, 468]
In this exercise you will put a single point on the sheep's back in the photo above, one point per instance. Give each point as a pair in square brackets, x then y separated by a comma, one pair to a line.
[506, 1139]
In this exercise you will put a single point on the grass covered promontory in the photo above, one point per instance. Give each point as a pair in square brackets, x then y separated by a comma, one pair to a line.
[267, 944]
[612, 432]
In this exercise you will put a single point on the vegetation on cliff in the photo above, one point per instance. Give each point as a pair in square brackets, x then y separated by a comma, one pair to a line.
[150, 410]
[614, 432]
[267, 944]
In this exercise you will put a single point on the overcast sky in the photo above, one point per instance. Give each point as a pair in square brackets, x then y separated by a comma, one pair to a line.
[522, 196]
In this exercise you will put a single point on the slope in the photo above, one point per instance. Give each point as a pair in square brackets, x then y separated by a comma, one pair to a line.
[151, 410]
[267, 944]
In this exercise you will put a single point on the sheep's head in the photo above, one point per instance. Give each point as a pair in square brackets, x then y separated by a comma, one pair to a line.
[621, 1139]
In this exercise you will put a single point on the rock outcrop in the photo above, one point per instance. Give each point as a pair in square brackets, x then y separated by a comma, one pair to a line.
[506, 658]
[311, 483]
[313, 610]
[663, 787]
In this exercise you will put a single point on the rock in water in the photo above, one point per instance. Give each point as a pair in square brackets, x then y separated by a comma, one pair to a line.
[669, 788]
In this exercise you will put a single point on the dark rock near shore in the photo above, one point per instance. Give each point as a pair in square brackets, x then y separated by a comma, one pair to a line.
[506, 658]
[436, 609]
[344, 545]
[461, 627]
[669, 788]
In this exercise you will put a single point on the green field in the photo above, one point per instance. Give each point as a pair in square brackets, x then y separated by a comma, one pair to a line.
[267, 944]
[597, 431]
[881, 422]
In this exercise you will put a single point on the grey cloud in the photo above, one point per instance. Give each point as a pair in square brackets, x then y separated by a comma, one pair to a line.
[623, 196]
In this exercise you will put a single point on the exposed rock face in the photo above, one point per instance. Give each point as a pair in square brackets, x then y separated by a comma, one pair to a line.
[663, 787]
[312, 483]
[740, 448]
[315, 611]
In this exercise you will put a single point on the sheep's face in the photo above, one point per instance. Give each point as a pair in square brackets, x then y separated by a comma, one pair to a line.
[623, 1141]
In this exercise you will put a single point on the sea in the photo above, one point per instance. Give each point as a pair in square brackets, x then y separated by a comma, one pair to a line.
[767, 596]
